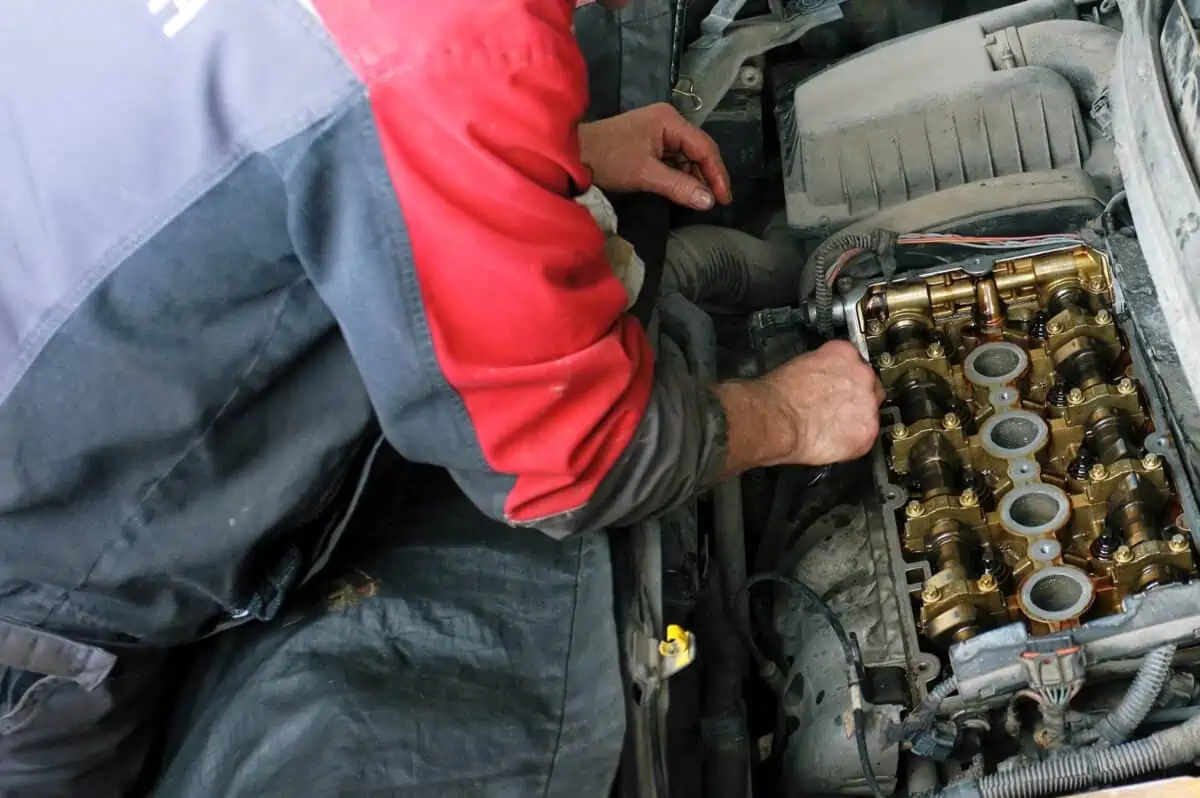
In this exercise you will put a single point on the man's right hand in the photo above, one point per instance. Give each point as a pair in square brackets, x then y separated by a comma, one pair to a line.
[816, 409]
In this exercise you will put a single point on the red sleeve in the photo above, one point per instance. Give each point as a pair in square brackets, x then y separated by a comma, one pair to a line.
[477, 105]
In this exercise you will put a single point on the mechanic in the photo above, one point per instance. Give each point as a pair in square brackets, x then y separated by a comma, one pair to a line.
[247, 246]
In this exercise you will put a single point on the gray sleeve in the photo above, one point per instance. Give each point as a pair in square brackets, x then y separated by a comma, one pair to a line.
[679, 449]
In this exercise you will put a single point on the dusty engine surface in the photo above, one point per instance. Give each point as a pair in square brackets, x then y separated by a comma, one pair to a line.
[1021, 438]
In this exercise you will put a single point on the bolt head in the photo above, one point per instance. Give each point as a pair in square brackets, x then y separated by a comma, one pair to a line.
[951, 421]
[1096, 284]
[874, 327]
[1097, 472]
[1125, 386]
[987, 583]
[1075, 396]
[931, 593]
[1123, 555]
[968, 498]
[914, 509]
[899, 432]
[935, 350]
[1151, 461]
[1179, 543]
[1054, 327]
[1103, 317]
[886, 359]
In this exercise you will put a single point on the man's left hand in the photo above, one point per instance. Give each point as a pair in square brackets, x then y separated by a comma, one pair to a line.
[655, 149]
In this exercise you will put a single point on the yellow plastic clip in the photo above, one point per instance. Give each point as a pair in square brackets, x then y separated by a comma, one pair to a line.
[678, 650]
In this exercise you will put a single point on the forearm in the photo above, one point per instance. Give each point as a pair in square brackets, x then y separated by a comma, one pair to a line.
[760, 430]
[689, 439]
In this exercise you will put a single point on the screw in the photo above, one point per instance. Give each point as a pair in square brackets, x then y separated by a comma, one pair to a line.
[1179, 544]
[968, 498]
[935, 350]
[886, 359]
[1074, 397]
[1151, 461]
[1054, 327]
[931, 593]
[1123, 555]
[1125, 386]
[986, 583]
[950, 421]
[1096, 284]
[914, 509]
[1103, 317]
[1098, 472]
[899, 432]
[874, 327]
[749, 76]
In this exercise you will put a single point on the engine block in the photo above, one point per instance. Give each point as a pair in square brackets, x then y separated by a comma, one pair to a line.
[1022, 438]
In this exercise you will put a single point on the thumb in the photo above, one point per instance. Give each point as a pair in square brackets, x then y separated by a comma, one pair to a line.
[677, 186]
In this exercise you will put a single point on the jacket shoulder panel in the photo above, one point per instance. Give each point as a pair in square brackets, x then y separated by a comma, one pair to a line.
[123, 117]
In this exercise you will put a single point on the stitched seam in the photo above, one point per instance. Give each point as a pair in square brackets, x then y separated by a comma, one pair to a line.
[562, 718]
[152, 490]
[410, 285]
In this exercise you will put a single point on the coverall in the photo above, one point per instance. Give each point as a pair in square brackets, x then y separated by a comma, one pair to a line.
[245, 246]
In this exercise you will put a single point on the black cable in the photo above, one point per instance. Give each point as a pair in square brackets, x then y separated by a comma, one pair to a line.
[853, 659]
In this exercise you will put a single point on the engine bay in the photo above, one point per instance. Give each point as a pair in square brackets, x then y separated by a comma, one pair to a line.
[1003, 596]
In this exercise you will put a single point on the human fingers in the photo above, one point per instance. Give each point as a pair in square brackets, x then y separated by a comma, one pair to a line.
[679, 186]
[699, 148]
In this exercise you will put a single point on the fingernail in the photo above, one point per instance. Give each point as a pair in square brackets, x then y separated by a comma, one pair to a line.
[701, 200]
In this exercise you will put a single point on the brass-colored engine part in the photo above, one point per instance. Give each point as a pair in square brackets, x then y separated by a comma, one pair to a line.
[1091, 504]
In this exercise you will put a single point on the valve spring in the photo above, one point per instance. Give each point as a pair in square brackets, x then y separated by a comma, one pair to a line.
[1057, 395]
[976, 481]
[961, 409]
[990, 562]
[1107, 544]
[1082, 464]
[1037, 326]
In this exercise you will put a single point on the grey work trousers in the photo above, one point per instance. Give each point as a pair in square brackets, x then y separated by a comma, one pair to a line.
[443, 654]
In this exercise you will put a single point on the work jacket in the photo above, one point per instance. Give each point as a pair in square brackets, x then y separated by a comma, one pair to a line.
[237, 237]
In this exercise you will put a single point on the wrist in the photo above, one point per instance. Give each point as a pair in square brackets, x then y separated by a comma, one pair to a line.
[762, 429]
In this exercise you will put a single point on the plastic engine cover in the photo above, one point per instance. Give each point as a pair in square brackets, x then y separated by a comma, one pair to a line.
[916, 117]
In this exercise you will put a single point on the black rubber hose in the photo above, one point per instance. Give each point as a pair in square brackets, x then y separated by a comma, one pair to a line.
[730, 268]
[1120, 724]
[822, 261]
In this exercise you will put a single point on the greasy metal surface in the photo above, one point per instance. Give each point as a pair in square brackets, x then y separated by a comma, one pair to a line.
[1036, 491]
[991, 664]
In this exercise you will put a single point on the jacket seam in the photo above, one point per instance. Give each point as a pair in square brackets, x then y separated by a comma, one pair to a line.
[566, 691]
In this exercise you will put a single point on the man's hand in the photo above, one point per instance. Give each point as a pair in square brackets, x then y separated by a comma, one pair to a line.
[655, 149]
[819, 408]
